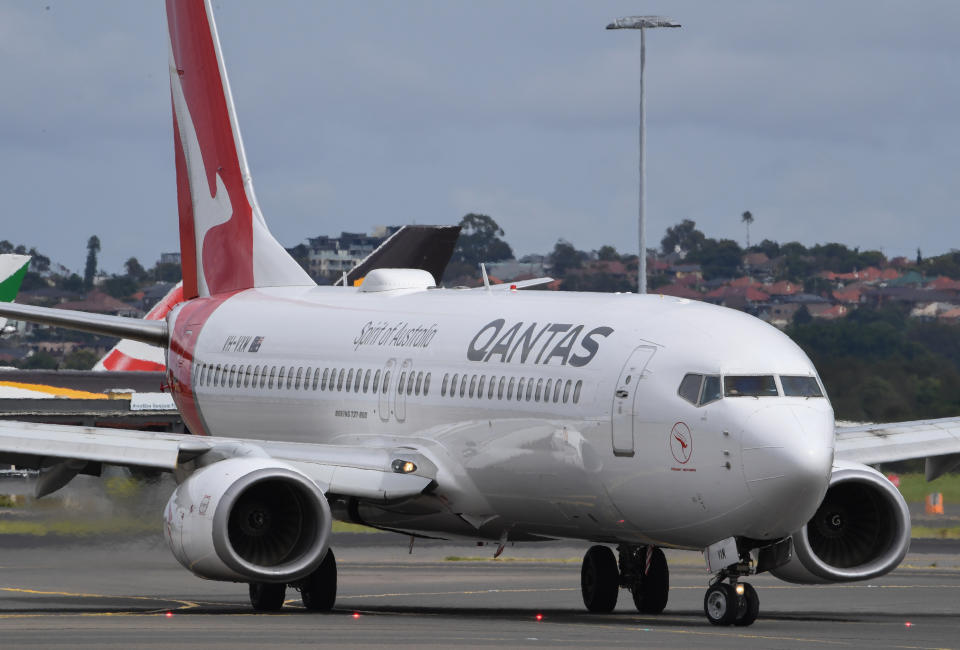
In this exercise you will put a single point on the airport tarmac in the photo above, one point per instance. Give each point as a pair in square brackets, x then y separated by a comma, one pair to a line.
[104, 592]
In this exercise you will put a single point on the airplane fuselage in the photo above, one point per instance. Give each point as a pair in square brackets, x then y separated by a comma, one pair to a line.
[547, 415]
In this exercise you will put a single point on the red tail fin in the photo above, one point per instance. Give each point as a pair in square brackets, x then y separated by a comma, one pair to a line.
[224, 241]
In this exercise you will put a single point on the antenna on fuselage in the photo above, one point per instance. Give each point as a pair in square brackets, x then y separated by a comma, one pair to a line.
[486, 280]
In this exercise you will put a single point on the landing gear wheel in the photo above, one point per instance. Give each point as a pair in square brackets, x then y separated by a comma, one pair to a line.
[651, 591]
[600, 580]
[319, 589]
[267, 596]
[720, 604]
[748, 606]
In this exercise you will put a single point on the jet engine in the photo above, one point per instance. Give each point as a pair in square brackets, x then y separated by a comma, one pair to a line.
[248, 520]
[861, 530]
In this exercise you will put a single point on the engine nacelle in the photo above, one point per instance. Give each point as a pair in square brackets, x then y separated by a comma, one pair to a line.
[861, 530]
[248, 520]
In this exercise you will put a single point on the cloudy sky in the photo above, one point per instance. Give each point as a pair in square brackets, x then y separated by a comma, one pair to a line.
[830, 121]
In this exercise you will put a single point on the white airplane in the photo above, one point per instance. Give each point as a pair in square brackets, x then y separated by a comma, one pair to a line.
[633, 421]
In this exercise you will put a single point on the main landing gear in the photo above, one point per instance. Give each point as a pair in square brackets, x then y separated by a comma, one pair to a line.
[641, 569]
[318, 590]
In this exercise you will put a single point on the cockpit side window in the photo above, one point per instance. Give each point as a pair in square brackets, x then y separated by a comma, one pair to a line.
[794, 386]
[711, 390]
[690, 388]
[749, 386]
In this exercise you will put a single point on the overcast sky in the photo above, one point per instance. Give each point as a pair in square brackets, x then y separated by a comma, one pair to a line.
[830, 121]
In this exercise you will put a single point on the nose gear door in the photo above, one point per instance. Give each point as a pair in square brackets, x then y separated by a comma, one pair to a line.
[625, 404]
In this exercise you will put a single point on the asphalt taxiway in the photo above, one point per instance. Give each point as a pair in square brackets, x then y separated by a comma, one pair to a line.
[105, 592]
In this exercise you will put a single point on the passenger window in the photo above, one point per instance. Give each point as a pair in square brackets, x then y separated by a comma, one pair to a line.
[529, 389]
[510, 389]
[463, 385]
[223, 377]
[453, 385]
[483, 379]
[316, 378]
[576, 391]
[539, 389]
[376, 381]
[443, 385]
[749, 386]
[246, 377]
[419, 385]
[799, 386]
[500, 387]
[283, 373]
[426, 384]
[386, 381]
[493, 385]
[306, 378]
[410, 382]
[520, 385]
[349, 379]
[403, 376]
[547, 389]
[263, 376]
[473, 385]
[711, 390]
[556, 391]
[340, 379]
[690, 387]
[273, 373]
[366, 380]
[323, 381]
[296, 384]
[566, 391]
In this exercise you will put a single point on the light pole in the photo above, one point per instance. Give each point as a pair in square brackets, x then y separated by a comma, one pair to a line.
[643, 23]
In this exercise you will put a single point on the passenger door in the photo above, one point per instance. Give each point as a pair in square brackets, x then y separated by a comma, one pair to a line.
[625, 404]
[386, 390]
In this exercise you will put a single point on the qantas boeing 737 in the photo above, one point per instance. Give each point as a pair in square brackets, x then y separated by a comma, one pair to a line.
[636, 422]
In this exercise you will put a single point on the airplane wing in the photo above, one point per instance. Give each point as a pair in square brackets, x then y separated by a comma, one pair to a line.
[61, 452]
[937, 441]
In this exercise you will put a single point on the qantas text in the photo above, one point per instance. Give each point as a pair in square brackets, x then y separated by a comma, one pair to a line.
[520, 342]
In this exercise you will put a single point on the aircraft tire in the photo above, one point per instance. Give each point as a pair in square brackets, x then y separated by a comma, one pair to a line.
[600, 580]
[720, 604]
[319, 590]
[651, 592]
[749, 606]
[267, 596]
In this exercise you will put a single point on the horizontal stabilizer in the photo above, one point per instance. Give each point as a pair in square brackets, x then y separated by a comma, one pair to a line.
[521, 284]
[154, 332]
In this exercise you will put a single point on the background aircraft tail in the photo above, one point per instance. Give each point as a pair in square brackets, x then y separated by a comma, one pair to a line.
[12, 270]
[225, 244]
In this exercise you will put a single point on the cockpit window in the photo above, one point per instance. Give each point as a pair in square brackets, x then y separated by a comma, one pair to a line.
[749, 386]
[690, 388]
[711, 390]
[800, 386]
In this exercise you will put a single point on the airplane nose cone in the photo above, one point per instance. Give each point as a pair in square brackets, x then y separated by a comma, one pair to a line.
[787, 453]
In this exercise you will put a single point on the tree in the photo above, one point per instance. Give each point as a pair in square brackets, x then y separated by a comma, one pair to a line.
[683, 236]
[608, 254]
[39, 262]
[480, 241]
[564, 258]
[80, 359]
[747, 218]
[718, 258]
[135, 271]
[120, 286]
[90, 270]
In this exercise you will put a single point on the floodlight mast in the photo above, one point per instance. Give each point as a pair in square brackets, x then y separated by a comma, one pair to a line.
[643, 23]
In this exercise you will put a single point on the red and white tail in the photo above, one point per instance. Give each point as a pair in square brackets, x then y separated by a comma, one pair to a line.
[225, 244]
[135, 355]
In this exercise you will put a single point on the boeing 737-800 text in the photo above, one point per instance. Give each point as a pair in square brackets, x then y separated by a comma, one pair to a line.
[632, 421]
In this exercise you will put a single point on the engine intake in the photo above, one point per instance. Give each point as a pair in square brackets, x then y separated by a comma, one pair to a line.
[861, 530]
[251, 519]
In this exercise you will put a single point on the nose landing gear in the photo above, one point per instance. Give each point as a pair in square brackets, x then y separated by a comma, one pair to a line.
[641, 569]
[734, 603]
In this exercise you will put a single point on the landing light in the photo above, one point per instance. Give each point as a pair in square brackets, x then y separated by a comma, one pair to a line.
[739, 590]
[403, 466]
